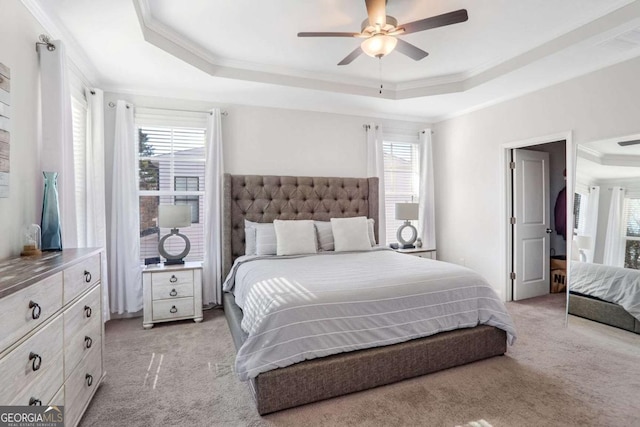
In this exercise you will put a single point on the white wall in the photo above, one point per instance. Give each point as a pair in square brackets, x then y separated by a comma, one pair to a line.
[18, 33]
[467, 150]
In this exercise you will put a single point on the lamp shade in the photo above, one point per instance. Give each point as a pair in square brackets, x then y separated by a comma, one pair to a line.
[174, 216]
[379, 45]
[583, 242]
[407, 211]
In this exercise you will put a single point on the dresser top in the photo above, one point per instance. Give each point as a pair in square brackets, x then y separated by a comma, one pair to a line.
[21, 272]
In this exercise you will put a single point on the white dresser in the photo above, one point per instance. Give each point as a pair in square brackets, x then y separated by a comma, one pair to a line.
[172, 292]
[51, 330]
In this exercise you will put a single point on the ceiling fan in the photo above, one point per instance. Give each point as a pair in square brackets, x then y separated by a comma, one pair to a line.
[380, 32]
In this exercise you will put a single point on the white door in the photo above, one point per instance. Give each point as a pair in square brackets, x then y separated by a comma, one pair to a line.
[531, 231]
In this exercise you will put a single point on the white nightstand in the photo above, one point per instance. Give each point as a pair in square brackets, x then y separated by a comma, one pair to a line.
[172, 292]
[420, 252]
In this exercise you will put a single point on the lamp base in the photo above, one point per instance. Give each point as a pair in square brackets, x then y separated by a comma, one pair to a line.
[407, 243]
[407, 246]
[174, 262]
[171, 259]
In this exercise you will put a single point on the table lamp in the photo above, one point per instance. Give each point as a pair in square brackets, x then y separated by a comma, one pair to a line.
[174, 217]
[583, 242]
[407, 212]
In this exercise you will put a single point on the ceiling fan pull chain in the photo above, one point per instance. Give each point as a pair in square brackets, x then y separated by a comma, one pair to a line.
[380, 72]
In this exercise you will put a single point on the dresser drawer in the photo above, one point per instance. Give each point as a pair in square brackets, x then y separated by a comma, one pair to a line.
[81, 385]
[82, 328]
[58, 399]
[173, 308]
[81, 277]
[42, 351]
[17, 311]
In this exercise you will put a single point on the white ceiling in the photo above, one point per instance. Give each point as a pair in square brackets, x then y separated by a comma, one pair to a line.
[247, 52]
[607, 160]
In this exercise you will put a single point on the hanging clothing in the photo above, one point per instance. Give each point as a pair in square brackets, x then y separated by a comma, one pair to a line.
[560, 213]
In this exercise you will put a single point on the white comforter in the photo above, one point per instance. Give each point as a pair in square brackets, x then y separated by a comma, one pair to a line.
[613, 284]
[303, 307]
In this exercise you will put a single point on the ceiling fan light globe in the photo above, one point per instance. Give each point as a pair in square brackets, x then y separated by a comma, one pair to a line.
[379, 45]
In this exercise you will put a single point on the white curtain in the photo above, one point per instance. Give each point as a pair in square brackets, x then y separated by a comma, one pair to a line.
[96, 225]
[125, 272]
[57, 135]
[375, 168]
[212, 267]
[615, 242]
[426, 196]
[591, 220]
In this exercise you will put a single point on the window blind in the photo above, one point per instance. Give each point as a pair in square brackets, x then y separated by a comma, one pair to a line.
[401, 179]
[79, 130]
[632, 233]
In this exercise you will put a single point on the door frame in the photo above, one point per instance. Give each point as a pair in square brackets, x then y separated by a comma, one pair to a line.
[506, 191]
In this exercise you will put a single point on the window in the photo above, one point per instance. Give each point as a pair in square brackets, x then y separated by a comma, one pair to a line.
[580, 201]
[632, 233]
[188, 183]
[401, 180]
[171, 171]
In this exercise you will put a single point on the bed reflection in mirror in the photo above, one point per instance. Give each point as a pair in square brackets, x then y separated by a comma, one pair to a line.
[605, 266]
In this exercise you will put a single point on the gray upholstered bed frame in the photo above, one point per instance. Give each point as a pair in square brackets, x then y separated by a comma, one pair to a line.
[265, 198]
[603, 312]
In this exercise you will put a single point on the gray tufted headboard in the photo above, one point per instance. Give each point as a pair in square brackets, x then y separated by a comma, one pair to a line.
[265, 198]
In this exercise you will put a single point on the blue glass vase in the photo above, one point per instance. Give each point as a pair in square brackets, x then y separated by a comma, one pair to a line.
[50, 223]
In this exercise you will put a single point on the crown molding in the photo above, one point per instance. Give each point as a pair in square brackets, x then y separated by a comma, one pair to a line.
[171, 42]
[57, 31]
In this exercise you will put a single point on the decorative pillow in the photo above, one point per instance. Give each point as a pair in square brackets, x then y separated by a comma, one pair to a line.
[325, 234]
[266, 243]
[249, 237]
[295, 237]
[351, 234]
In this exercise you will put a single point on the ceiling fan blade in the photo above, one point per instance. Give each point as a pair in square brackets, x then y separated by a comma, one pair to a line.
[328, 34]
[349, 58]
[410, 50]
[377, 11]
[436, 21]
[626, 143]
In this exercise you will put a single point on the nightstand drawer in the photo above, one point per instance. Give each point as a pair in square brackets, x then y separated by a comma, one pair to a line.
[173, 308]
[172, 278]
[168, 291]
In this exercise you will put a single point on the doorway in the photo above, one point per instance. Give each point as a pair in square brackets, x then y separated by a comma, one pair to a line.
[537, 182]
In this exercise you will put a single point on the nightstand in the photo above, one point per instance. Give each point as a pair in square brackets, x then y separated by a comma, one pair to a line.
[172, 292]
[419, 252]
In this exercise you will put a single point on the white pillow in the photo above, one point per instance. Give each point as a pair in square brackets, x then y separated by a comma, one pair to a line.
[351, 234]
[265, 239]
[325, 234]
[295, 237]
[249, 237]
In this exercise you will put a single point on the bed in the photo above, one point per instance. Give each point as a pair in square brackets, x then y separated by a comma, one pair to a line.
[606, 294]
[264, 199]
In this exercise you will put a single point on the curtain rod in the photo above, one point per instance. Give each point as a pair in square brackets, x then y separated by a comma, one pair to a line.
[224, 113]
[367, 127]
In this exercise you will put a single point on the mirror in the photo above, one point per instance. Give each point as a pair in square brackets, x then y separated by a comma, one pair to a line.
[605, 266]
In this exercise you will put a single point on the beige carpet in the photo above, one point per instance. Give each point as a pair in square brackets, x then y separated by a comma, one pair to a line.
[181, 374]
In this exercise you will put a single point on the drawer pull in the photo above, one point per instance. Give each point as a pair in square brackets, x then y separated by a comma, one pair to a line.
[89, 379]
[35, 402]
[35, 309]
[87, 276]
[173, 279]
[173, 293]
[88, 342]
[36, 361]
[173, 309]
[87, 311]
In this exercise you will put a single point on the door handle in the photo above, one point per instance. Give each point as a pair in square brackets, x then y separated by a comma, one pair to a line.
[549, 231]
